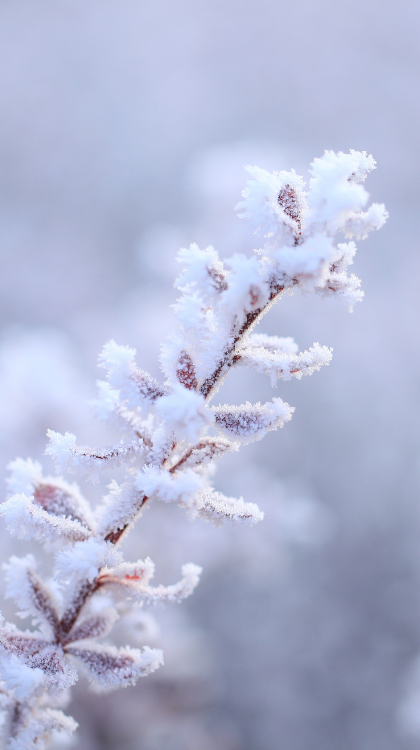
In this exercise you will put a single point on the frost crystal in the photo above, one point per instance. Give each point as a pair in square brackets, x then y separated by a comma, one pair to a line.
[172, 438]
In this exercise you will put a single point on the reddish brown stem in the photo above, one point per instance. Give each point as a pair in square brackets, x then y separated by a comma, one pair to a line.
[251, 319]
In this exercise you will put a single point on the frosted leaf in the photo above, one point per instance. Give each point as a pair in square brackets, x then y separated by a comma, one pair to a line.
[282, 365]
[18, 585]
[96, 626]
[360, 224]
[214, 506]
[162, 447]
[263, 209]
[276, 344]
[184, 413]
[30, 593]
[21, 643]
[344, 257]
[78, 594]
[208, 342]
[43, 602]
[52, 494]
[109, 408]
[308, 263]
[129, 574]
[109, 667]
[32, 652]
[26, 520]
[203, 271]
[69, 457]
[191, 314]
[291, 201]
[63, 500]
[177, 591]
[346, 288]
[61, 448]
[119, 507]
[137, 387]
[252, 421]
[158, 483]
[208, 449]
[334, 193]
[185, 372]
[83, 560]
[365, 164]
[247, 289]
[140, 591]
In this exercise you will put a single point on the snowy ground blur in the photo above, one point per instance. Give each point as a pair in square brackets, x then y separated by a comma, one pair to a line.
[124, 130]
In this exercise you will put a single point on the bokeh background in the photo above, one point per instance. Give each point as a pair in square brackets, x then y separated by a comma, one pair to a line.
[124, 130]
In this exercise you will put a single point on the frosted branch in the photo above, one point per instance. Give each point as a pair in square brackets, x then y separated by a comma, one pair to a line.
[171, 448]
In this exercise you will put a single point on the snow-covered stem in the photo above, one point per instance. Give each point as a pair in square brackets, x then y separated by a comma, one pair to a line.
[172, 439]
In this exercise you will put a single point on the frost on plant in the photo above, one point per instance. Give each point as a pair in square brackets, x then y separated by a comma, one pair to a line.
[171, 438]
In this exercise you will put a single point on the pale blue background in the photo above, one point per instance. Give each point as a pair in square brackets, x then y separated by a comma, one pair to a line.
[124, 128]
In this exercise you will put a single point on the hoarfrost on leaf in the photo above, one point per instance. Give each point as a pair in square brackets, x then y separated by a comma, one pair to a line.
[250, 422]
[109, 667]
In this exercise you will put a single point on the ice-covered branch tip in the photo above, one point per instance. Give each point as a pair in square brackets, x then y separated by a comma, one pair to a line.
[172, 438]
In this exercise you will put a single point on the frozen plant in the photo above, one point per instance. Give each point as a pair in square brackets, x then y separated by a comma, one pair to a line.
[172, 439]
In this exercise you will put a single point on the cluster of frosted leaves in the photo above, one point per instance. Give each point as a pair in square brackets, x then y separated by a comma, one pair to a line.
[73, 615]
[299, 227]
[171, 438]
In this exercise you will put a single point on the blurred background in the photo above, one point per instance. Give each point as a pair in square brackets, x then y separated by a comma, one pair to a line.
[124, 130]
